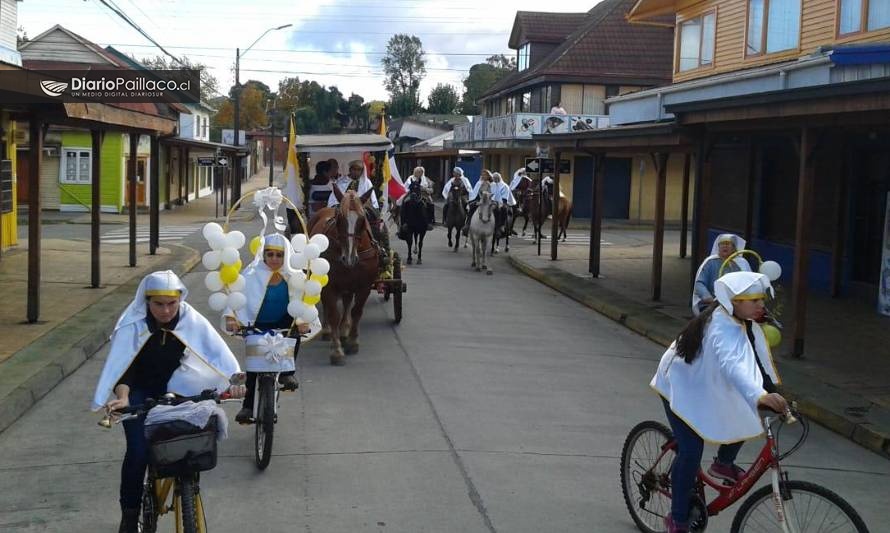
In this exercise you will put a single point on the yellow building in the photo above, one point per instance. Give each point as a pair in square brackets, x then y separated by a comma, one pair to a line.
[8, 203]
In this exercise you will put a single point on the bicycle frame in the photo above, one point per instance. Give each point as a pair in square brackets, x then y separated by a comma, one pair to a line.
[162, 489]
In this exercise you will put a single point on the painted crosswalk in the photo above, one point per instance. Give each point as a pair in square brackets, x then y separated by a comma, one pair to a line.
[572, 239]
[166, 233]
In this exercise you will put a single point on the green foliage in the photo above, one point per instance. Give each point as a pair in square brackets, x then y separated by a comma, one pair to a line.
[405, 67]
[481, 78]
[443, 100]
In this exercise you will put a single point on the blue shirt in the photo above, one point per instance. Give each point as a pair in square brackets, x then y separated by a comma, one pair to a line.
[274, 309]
[704, 283]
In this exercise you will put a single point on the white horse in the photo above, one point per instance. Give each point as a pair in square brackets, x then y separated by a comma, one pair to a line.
[482, 228]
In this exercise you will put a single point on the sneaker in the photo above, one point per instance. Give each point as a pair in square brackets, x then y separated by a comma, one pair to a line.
[288, 382]
[244, 416]
[673, 527]
[731, 473]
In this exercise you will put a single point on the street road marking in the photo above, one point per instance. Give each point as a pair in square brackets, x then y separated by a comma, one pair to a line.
[166, 233]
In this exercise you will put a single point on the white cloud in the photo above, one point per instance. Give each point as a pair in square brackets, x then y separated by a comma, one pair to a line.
[208, 31]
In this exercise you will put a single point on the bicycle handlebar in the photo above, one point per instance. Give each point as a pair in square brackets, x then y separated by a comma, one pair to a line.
[132, 411]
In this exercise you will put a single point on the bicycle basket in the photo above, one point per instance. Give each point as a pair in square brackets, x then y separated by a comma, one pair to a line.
[178, 448]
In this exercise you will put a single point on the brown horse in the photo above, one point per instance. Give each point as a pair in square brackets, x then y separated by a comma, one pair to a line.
[536, 208]
[563, 216]
[354, 263]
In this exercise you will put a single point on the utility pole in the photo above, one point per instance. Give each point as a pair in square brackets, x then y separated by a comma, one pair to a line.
[236, 182]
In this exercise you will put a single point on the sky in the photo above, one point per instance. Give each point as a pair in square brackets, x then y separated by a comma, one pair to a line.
[334, 42]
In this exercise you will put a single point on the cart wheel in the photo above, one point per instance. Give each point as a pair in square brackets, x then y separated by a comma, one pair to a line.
[396, 290]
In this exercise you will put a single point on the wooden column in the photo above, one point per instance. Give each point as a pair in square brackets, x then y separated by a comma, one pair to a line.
[554, 227]
[188, 167]
[754, 171]
[181, 175]
[596, 214]
[34, 230]
[701, 206]
[684, 206]
[800, 283]
[661, 160]
[154, 217]
[95, 210]
[169, 178]
[131, 194]
[840, 234]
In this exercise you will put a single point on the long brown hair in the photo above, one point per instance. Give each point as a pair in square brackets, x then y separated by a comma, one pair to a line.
[689, 341]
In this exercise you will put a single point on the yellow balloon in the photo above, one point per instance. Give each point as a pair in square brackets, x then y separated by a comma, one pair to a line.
[772, 334]
[255, 244]
[229, 273]
[238, 265]
[311, 300]
[322, 280]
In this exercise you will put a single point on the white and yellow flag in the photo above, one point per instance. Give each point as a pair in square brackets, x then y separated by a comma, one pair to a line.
[293, 183]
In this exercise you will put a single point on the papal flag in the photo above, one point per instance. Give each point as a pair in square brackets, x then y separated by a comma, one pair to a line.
[293, 183]
[393, 186]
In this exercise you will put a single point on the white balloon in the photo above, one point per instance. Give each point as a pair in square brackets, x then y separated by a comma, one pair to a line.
[229, 256]
[296, 308]
[235, 239]
[217, 301]
[310, 315]
[320, 240]
[211, 260]
[297, 282]
[213, 282]
[312, 288]
[211, 228]
[319, 266]
[236, 300]
[311, 251]
[299, 242]
[771, 269]
[217, 241]
[238, 284]
[298, 261]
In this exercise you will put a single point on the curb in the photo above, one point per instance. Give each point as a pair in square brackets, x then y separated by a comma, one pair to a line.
[39, 367]
[818, 401]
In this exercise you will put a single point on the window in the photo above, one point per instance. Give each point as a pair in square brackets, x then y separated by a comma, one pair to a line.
[697, 42]
[77, 166]
[854, 15]
[773, 26]
[524, 54]
[525, 104]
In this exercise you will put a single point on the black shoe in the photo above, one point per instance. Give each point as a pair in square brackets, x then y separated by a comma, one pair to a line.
[244, 416]
[288, 382]
[129, 521]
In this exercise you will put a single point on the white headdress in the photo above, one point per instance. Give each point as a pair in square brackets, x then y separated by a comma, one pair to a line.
[741, 286]
[737, 241]
[459, 171]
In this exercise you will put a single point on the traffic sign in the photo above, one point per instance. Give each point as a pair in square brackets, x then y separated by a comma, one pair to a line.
[545, 165]
[222, 161]
[206, 161]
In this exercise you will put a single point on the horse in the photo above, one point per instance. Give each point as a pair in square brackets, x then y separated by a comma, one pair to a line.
[354, 264]
[521, 193]
[413, 222]
[503, 227]
[482, 228]
[537, 208]
[563, 216]
[456, 213]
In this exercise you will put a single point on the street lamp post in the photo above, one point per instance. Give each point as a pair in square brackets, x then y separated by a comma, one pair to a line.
[236, 182]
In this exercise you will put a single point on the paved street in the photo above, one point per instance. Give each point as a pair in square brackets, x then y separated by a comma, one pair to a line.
[497, 405]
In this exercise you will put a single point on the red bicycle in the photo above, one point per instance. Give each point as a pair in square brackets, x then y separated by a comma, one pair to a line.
[788, 506]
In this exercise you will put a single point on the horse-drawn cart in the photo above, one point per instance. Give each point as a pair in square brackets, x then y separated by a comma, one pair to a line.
[343, 149]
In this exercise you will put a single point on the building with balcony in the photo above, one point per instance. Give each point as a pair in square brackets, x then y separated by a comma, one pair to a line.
[568, 65]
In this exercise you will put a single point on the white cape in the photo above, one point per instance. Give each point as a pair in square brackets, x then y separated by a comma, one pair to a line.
[364, 185]
[717, 394]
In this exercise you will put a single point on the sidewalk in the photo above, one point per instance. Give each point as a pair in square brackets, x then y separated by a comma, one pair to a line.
[76, 320]
[840, 383]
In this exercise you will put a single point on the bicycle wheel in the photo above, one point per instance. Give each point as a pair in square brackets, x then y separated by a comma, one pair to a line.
[809, 508]
[148, 519]
[645, 475]
[265, 422]
[187, 491]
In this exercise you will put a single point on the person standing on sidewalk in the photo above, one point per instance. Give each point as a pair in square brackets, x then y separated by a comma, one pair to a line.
[712, 380]
[160, 344]
[724, 246]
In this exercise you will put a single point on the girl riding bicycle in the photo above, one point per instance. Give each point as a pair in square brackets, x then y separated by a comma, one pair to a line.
[160, 344]
[268, 296]
[712, 380]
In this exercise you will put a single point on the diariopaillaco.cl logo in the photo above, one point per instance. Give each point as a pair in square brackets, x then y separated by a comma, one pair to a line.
[53, 88]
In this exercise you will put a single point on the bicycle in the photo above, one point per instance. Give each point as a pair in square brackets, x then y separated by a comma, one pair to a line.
[177, 454]
[267, 355]
[789, 506]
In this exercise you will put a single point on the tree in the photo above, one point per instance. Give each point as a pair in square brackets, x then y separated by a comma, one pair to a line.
[443, 100]
[481, 78]
[404, 66]
[209, 83]
[253, 106]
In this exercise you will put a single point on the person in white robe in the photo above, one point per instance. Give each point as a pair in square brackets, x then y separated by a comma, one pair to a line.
[457, 177]
[712, 380]
[356, 180]
[518, 177]
[500, 192]
[474, 198]
[708, 272]
[160, 344]
[426, 194]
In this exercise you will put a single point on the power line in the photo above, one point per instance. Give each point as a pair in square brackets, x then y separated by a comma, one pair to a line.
[119, 12]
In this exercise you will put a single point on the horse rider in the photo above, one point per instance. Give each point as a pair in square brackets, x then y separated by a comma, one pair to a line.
[547, 183]
[518, 177]
[474, 200]
[426, 195]
[357, 180]
[457, 178]
[502, 197]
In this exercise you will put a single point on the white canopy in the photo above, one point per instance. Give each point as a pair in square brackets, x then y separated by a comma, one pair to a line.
[357, 142]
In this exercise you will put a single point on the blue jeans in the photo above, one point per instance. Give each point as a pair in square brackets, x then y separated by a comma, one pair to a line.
[136, 457]
[688, 462]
